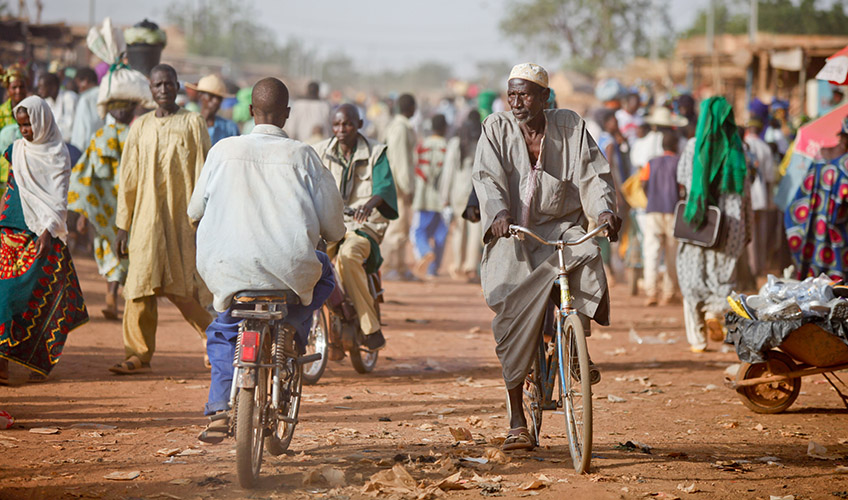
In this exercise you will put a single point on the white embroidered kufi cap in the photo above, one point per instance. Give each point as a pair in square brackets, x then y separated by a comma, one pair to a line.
[531, 73]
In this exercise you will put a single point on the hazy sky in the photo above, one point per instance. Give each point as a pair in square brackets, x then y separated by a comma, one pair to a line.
[387, 32]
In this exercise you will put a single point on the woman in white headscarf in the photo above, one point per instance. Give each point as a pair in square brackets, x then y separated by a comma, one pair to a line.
[40, 296]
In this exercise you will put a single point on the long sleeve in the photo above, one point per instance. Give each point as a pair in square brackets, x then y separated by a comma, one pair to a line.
[199, 197]
[327, 200]
[594, 176]
[452, 165]
[490, 180]
[383, 185]
[400, 157]
[128, 184]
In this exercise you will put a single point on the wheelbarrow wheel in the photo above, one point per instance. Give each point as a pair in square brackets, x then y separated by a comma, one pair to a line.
[771, 397]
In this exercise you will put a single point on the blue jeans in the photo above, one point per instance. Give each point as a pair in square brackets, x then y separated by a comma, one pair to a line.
[429, 226]
[222, 333]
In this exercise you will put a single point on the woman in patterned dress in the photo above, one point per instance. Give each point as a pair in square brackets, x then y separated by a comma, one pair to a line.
[40, 297]
[93, 192]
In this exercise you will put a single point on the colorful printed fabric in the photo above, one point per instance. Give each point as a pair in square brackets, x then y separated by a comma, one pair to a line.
[816, 221]
[93, 193]
[40, 298]
[6, 116]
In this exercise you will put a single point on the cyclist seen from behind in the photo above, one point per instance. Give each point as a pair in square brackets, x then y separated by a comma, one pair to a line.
[541, 169]
[364, 178]
[263, 202]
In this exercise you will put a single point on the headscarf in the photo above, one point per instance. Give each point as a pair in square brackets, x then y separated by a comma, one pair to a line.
[42, 170]
[719, 165]
[14, 72]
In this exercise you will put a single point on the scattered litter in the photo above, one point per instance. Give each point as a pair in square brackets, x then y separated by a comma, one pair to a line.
[634, 446]
[6, 420]
[661, 338]
[384, 419]
[461, 434]
[445, 411]
[729, 466]
[174, 461]
[730, 425]
[710, 387]
[618, 352]
[122, 475]
[759, 428]
[480, 460]
[731, 371]
[342, 408]
[687, 489]
[334, 477]
[767, 460]
[841, 468]
[90, 425]
[662, 495]
[815, 450]
[495, 455]
[167, 452]
[417, 321]
[398, 481]
[454, 482]
[180, 481]
[678, 454]
[189, 452]
[541, 481]
[781, 497]
[426, 427]
[44, 430]
[615, 399]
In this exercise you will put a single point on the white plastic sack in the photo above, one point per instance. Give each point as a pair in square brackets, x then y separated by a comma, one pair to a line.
[124, 84]
[107, 43]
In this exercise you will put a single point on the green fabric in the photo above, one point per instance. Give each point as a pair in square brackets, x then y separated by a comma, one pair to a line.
[383, 185]
[241, 111]
[375, 258]
[719, 165]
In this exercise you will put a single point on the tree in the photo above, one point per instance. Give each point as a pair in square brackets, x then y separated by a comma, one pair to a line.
[589, 33]
[777, 16]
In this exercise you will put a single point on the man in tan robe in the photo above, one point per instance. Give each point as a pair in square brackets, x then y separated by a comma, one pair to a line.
[400, 144]
[540, 169]
[163, 155]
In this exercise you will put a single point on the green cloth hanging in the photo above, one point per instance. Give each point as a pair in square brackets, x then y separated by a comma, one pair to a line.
[719, 164]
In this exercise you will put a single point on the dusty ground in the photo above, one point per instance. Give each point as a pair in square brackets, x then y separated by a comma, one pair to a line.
[438, 373]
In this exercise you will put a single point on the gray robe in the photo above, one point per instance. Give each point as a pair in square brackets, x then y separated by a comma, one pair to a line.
[574, 185]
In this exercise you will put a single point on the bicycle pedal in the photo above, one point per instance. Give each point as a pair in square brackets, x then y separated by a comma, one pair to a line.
[219, 416]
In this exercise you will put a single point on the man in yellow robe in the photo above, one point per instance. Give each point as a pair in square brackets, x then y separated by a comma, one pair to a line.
[163, 155]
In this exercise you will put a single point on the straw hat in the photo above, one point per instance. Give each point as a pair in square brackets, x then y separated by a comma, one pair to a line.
[662, 117]
[211, 84]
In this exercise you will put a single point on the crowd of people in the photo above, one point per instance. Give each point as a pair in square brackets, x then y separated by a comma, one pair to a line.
[183, 203]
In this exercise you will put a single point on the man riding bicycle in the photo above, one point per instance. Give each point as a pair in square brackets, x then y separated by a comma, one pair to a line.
[263, 201]
[361, 170]
[541, 169]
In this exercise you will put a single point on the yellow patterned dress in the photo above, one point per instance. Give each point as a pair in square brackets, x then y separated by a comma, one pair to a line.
[93, 193]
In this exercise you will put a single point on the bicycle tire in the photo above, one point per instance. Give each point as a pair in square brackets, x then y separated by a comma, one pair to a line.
[575, 388]
[363, 360]
[318, 343]
[250, 430]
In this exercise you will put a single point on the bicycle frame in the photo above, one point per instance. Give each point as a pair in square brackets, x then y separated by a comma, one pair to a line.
[548, 367]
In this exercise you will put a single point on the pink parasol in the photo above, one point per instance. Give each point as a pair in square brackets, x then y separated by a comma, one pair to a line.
[820, 133]
[836, 68]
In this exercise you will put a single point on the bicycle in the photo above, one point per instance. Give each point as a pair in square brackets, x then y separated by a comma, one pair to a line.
[566, 348]
[267, 380]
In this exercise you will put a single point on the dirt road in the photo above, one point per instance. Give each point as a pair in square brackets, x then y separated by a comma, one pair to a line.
[438, 371]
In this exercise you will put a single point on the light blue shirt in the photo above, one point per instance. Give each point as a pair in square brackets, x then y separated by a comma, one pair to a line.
[222, 129]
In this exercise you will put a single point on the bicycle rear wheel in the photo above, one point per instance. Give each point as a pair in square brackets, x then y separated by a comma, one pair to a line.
[252, 405]
[291, 386]
[575, 387]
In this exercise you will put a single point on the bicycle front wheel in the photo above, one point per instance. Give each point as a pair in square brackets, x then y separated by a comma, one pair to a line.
[575, 391]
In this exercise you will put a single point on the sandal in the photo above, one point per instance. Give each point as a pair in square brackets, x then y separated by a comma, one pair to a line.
[715, 331]
[518, 439]
[217, 429]
[130, 366]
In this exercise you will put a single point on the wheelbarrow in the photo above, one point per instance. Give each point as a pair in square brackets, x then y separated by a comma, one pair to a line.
[772, 386]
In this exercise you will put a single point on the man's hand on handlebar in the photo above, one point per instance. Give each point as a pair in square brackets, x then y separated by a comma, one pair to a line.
[500, 226]
[613, 223]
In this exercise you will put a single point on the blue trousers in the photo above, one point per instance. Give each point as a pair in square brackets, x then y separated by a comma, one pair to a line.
[222, 333]
[429, 233]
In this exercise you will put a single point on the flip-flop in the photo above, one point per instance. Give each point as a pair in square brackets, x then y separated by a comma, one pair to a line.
[518, 439]
[130, 366]
[217, 429]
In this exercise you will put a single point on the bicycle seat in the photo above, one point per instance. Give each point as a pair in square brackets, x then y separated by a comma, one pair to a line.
[248, 296]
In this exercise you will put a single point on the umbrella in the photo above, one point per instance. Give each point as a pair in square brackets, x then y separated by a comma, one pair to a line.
[820, 133]
[836, 68]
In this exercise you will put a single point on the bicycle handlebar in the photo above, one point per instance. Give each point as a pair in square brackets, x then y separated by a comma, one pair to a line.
[516, 230]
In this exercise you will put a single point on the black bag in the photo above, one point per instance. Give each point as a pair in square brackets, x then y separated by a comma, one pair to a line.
[708, 234]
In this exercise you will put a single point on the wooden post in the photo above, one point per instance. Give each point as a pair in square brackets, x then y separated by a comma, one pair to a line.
[764, 65]
[802, 82]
